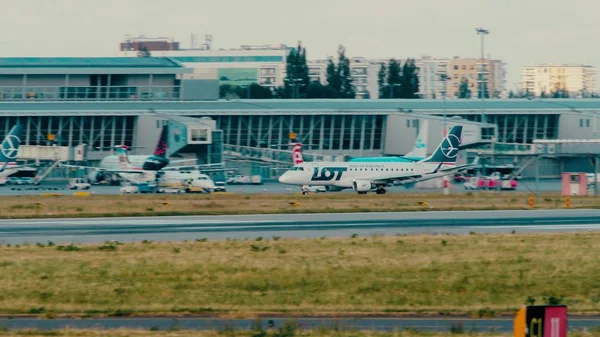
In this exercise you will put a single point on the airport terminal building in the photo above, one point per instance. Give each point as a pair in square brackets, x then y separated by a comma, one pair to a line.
[78, 109]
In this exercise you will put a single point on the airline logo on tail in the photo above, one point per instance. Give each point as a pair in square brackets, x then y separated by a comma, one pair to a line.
[450, 146]
[297, 154]
[9, 148]
[447, 151]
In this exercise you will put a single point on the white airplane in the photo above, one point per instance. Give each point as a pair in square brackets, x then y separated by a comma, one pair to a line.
[138, 169]
[368, 176]
[418, 152]
[9, 150]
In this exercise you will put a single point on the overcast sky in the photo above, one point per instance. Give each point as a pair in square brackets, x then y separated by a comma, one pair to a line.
[521, 31]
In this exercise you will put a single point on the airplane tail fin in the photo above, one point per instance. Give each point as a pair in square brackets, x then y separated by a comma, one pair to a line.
[9, 148]
[447, 151]
[420, 148]
[161, 146]
[297, 153]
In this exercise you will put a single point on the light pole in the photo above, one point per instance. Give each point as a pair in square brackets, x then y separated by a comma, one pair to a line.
[482, 32]
[444, 78]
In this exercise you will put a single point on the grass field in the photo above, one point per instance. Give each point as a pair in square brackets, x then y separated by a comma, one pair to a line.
[188, 333]
[134, 205]
[480, 275]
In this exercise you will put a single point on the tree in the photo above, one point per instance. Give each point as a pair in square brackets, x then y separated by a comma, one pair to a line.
[409, 82]
[297, 79]
[144, 51]
[226, 91]
[394, 79]
[463, 90]
[346, 83]
[333, 77]
[257, 91]
[511, 94]
[381, 81]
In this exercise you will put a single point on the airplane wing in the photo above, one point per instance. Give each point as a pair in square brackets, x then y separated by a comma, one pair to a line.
[202, 168]
[417, 177]
[106, 170]
[11, 167]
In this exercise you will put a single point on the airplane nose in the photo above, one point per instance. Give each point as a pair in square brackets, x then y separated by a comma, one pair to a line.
[284, 179]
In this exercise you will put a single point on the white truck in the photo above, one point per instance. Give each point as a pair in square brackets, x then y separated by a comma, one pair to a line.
[78, 184]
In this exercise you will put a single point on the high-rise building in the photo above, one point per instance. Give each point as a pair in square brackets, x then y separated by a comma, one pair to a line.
[564, 79]
[317, 71]
[460, 69]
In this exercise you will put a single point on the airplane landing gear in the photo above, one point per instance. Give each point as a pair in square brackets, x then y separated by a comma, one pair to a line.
[380, 190]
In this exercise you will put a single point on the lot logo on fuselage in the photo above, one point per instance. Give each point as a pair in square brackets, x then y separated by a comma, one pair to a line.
[328, 173]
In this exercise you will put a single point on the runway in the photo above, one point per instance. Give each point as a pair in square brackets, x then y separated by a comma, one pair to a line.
[201, 323]
[293, 225]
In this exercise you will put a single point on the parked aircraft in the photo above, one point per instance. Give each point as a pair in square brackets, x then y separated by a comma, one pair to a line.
[418, 152]
[9, 150]
[368, 176]
[139, 169]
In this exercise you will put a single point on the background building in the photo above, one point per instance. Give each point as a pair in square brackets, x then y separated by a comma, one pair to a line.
[469, 68]
[566, 79]
[266, 64]
[262, 64]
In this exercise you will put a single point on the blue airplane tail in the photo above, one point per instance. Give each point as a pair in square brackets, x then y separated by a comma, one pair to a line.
[9, 148]
[447, 151]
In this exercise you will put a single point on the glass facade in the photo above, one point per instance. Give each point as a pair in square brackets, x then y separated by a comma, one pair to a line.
[100, 133]
[316, 132]
[238, 76]
[524, 128]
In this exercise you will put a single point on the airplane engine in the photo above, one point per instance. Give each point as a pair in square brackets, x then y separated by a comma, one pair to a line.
[96, 177]
[362, 185]
[333, 188]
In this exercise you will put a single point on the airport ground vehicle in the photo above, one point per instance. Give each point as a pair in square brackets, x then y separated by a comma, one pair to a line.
[256, 180]
[220, 186]
[238, 180]
[128, 189]
[197, 186]
[78, 184]
[20, 181]
[494, 182]
[175, 187]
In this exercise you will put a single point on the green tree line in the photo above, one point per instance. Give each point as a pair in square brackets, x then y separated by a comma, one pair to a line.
[396, 82]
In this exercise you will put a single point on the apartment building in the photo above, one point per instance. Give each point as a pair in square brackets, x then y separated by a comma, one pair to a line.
[494, 75]
[574, 80]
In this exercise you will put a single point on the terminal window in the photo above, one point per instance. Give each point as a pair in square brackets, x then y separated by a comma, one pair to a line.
[199, 135]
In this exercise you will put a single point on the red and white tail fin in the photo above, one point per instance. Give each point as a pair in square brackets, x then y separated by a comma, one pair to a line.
[297, 154]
